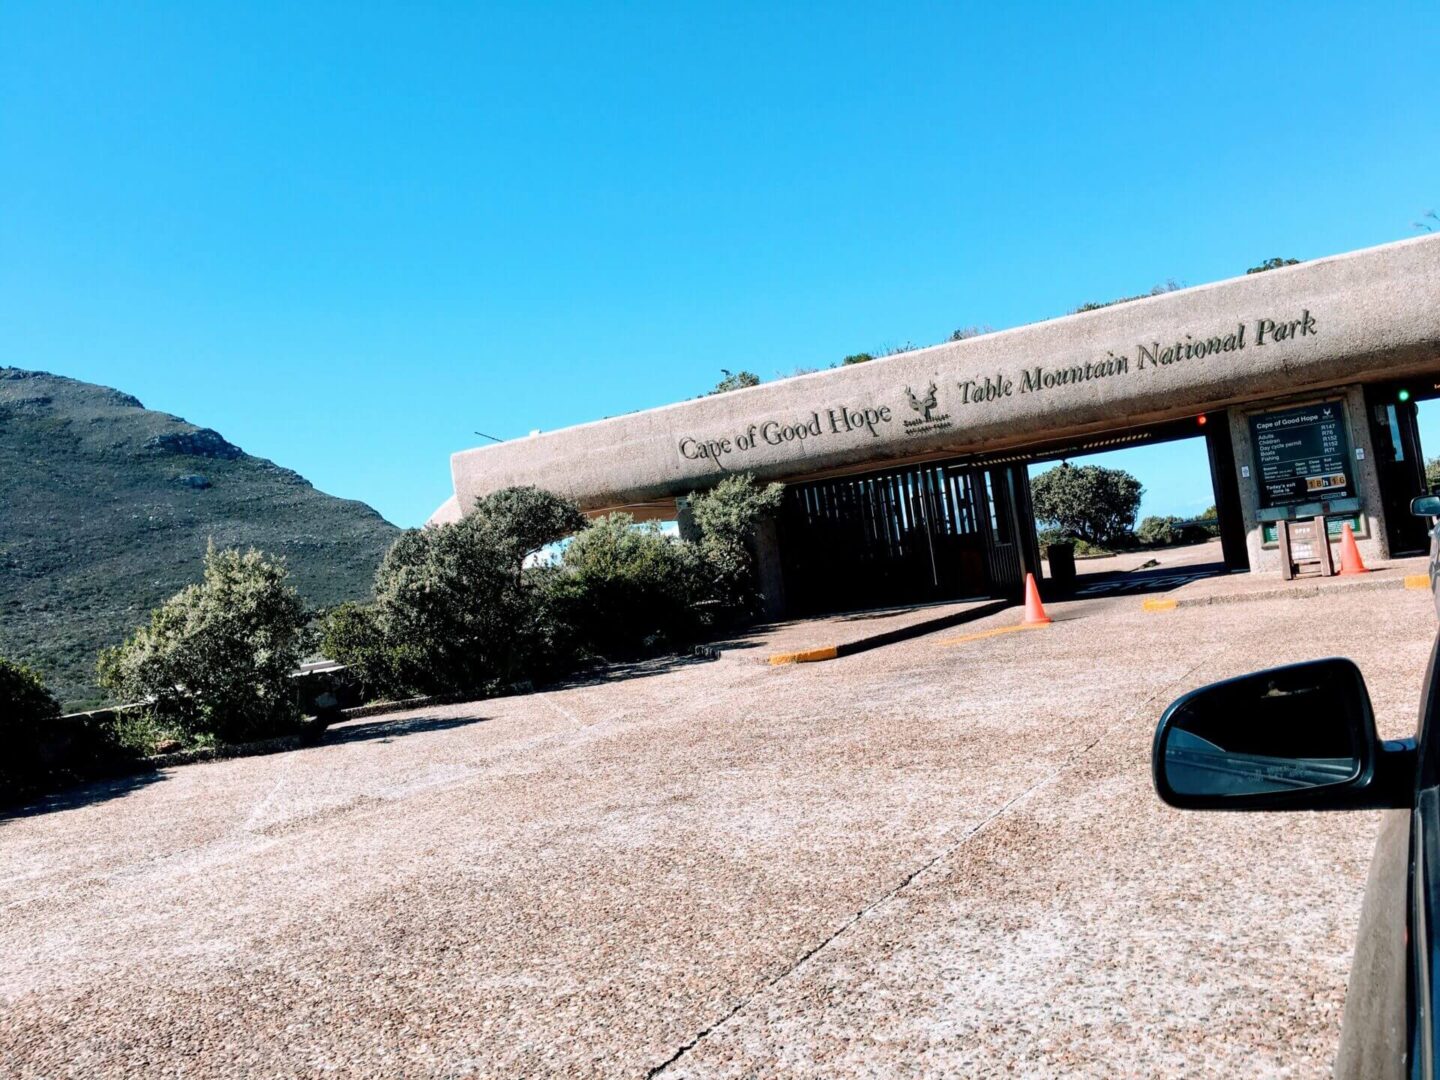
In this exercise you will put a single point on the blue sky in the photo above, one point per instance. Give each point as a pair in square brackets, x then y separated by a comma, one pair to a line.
[350, 235]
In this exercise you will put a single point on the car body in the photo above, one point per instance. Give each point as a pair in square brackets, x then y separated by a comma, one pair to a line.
[1303, 737]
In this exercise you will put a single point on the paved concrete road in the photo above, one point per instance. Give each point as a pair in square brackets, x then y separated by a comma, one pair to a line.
[929, 859]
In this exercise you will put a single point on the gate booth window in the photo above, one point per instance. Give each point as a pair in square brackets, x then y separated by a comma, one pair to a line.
[924, 533]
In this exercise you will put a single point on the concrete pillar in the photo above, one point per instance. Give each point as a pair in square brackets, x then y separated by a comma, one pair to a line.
[769, 574]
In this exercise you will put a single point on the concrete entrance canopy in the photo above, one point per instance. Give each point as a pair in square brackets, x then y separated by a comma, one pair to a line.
[1342, 320]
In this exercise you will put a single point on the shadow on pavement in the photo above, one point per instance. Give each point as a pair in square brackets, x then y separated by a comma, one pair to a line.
[365, 730]
[631, 669]
[1140, 582]
[96, 791]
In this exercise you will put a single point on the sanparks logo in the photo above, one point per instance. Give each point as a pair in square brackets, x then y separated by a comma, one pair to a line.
[871, 421]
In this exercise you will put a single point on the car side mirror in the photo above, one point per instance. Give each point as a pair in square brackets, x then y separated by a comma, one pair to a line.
[1426, 506]
[1300, 737]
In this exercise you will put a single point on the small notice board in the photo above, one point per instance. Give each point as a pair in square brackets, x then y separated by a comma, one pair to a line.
[1305, 548]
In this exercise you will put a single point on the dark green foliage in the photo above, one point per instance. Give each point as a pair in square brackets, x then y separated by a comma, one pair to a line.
[726, 517]
[628, 590]
[106, 509]
[215, 659]
[27, 711]
[466, 608]
[455, 609]
[1432, 474]
[24, 698]
[1088, 502]
[1158, 531]
[520, 521]
[625, 590]
[351, 634]
[1050, 534]
[857, 358]
[1164, 531]
[40, 750]
[1272, 264]
[734, 380]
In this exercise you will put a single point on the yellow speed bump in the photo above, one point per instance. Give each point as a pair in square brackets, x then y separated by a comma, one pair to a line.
[1160, 605]
[806, 656]
[994, 633]
[1417, 581]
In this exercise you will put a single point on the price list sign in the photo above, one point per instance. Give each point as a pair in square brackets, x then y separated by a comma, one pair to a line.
[1302, 455]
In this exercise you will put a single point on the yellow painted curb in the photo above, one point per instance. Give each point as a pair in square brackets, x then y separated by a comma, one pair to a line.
[1417, 581]
[993, 633]
[1160, 605]
[807, 656]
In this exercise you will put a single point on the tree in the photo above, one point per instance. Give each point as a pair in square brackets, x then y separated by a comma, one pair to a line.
[520, 521]
[352, 634]
[625, 590]
[1088, 502]
[734, 380]
[1432, 474]
[1159, 531]
[726, 517]
[26, 708]
[216, 658]
[1272, 264]
[456, 608]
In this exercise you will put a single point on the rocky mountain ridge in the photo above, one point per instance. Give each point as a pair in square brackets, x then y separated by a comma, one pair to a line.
[106, 508]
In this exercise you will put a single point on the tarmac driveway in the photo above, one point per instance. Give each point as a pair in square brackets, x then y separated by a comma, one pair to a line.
[927, 859]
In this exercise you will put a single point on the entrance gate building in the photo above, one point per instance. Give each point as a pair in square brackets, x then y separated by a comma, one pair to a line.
[922, 533]
[906, 476]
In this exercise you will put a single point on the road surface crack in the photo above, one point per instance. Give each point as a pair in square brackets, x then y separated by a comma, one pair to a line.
[804, 958]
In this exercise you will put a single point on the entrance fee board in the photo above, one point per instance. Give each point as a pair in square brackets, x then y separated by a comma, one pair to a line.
[1302, 455]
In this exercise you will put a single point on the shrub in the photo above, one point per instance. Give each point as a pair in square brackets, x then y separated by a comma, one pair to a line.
[351, 634]
[456, 610]
[41, 750]
[626, 589]
[27, 709]
[215, 659]
[726, 517]
[465, 608]
[1272, 264]
[1157, 530]
[734, 380]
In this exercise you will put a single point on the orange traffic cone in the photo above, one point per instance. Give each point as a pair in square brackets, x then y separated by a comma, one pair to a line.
[1034, 610]
[1350, 554]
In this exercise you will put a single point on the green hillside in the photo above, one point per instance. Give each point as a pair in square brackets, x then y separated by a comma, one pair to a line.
[106, 508]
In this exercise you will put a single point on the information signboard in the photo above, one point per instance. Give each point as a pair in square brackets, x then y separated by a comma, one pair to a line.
[1302, 455]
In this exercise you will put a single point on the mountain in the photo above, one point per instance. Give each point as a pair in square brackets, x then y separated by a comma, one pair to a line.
[105, 510]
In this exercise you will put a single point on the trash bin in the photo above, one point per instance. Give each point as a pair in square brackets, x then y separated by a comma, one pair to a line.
[1061, 558]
